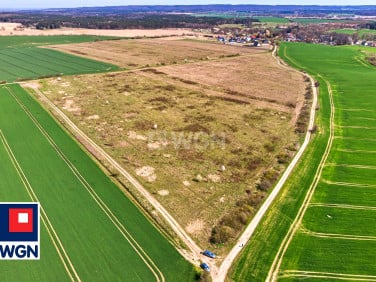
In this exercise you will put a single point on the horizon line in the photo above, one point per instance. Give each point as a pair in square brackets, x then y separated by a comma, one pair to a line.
[187, 5]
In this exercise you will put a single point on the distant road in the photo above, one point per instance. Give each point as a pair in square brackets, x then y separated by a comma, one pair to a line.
[220, 276]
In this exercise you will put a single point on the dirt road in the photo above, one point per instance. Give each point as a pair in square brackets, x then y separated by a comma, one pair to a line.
[248, 232]
[273, 273]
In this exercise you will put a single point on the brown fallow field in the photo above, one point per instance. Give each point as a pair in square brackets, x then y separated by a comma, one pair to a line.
[207, 129]
[132, 54]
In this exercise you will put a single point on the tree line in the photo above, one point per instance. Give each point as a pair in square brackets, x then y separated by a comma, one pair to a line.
[133, 21]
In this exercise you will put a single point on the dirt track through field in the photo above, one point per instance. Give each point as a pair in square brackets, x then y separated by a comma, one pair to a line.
[368, 208]
[326, 275]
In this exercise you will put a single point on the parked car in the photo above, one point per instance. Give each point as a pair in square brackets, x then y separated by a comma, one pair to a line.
[205, 266]
[209, 254]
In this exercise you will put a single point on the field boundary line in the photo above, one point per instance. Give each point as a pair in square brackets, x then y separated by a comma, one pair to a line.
[356, 151]
[355, 110]
[355, 127]
[273, 272]
[337, 236]
[342, 206]
[362, 62]
[115, 221]
[250, 229]
[46, 60]
[364, 118]
[15, 58]
[354, 138]
[180, 232]
[327, 275]
[370, 167]
[70, 55]
[349, 184]
[18, 66]
[46, 222]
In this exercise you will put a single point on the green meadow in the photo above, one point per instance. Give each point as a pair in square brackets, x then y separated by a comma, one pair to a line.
[340, 194]
[105, 237]
[272, 20]
[315, 20]
[345, 198]
[331, 255]
[361, 32]
[22, 58]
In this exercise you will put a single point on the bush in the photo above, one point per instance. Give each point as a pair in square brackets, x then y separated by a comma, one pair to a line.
[308, 94]
[270, 146]
[243, 217]
[314, 129]
[283, 158]
[271, 175]
[255, 200]
[205, 277]
[264, 185]
[221, 234]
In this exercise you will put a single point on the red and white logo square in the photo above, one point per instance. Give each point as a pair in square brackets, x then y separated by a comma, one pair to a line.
[20, 220]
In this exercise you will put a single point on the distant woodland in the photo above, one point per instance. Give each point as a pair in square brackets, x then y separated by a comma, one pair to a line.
[132, 21]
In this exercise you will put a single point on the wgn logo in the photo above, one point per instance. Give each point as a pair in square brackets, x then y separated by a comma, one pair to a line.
[19, 231]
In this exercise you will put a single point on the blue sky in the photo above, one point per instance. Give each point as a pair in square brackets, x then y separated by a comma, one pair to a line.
[86, 3]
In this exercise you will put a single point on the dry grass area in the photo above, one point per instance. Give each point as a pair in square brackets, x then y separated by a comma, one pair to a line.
[255, 76]
[153, 52]
[205, 127]
[198, 153]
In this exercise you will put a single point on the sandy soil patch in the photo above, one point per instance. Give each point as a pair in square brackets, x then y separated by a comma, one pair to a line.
[147, 172]
[157, 145]
[9, 29]
[70, 106]
[134, 135]
[31, 84]
[92, 117]
[195, 227]
[214, 178]
[122, 144]
[66, 84]
[163, 192]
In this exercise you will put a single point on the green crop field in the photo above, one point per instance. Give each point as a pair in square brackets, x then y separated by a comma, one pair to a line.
[315, 20]
[272, 19]
[18, 41]
[229, 15]
[21, 58]
[335, 238]
[89, 229]
[361, 32]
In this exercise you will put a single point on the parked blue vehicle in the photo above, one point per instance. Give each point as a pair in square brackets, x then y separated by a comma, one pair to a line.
[209, 254]
[205, 267]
